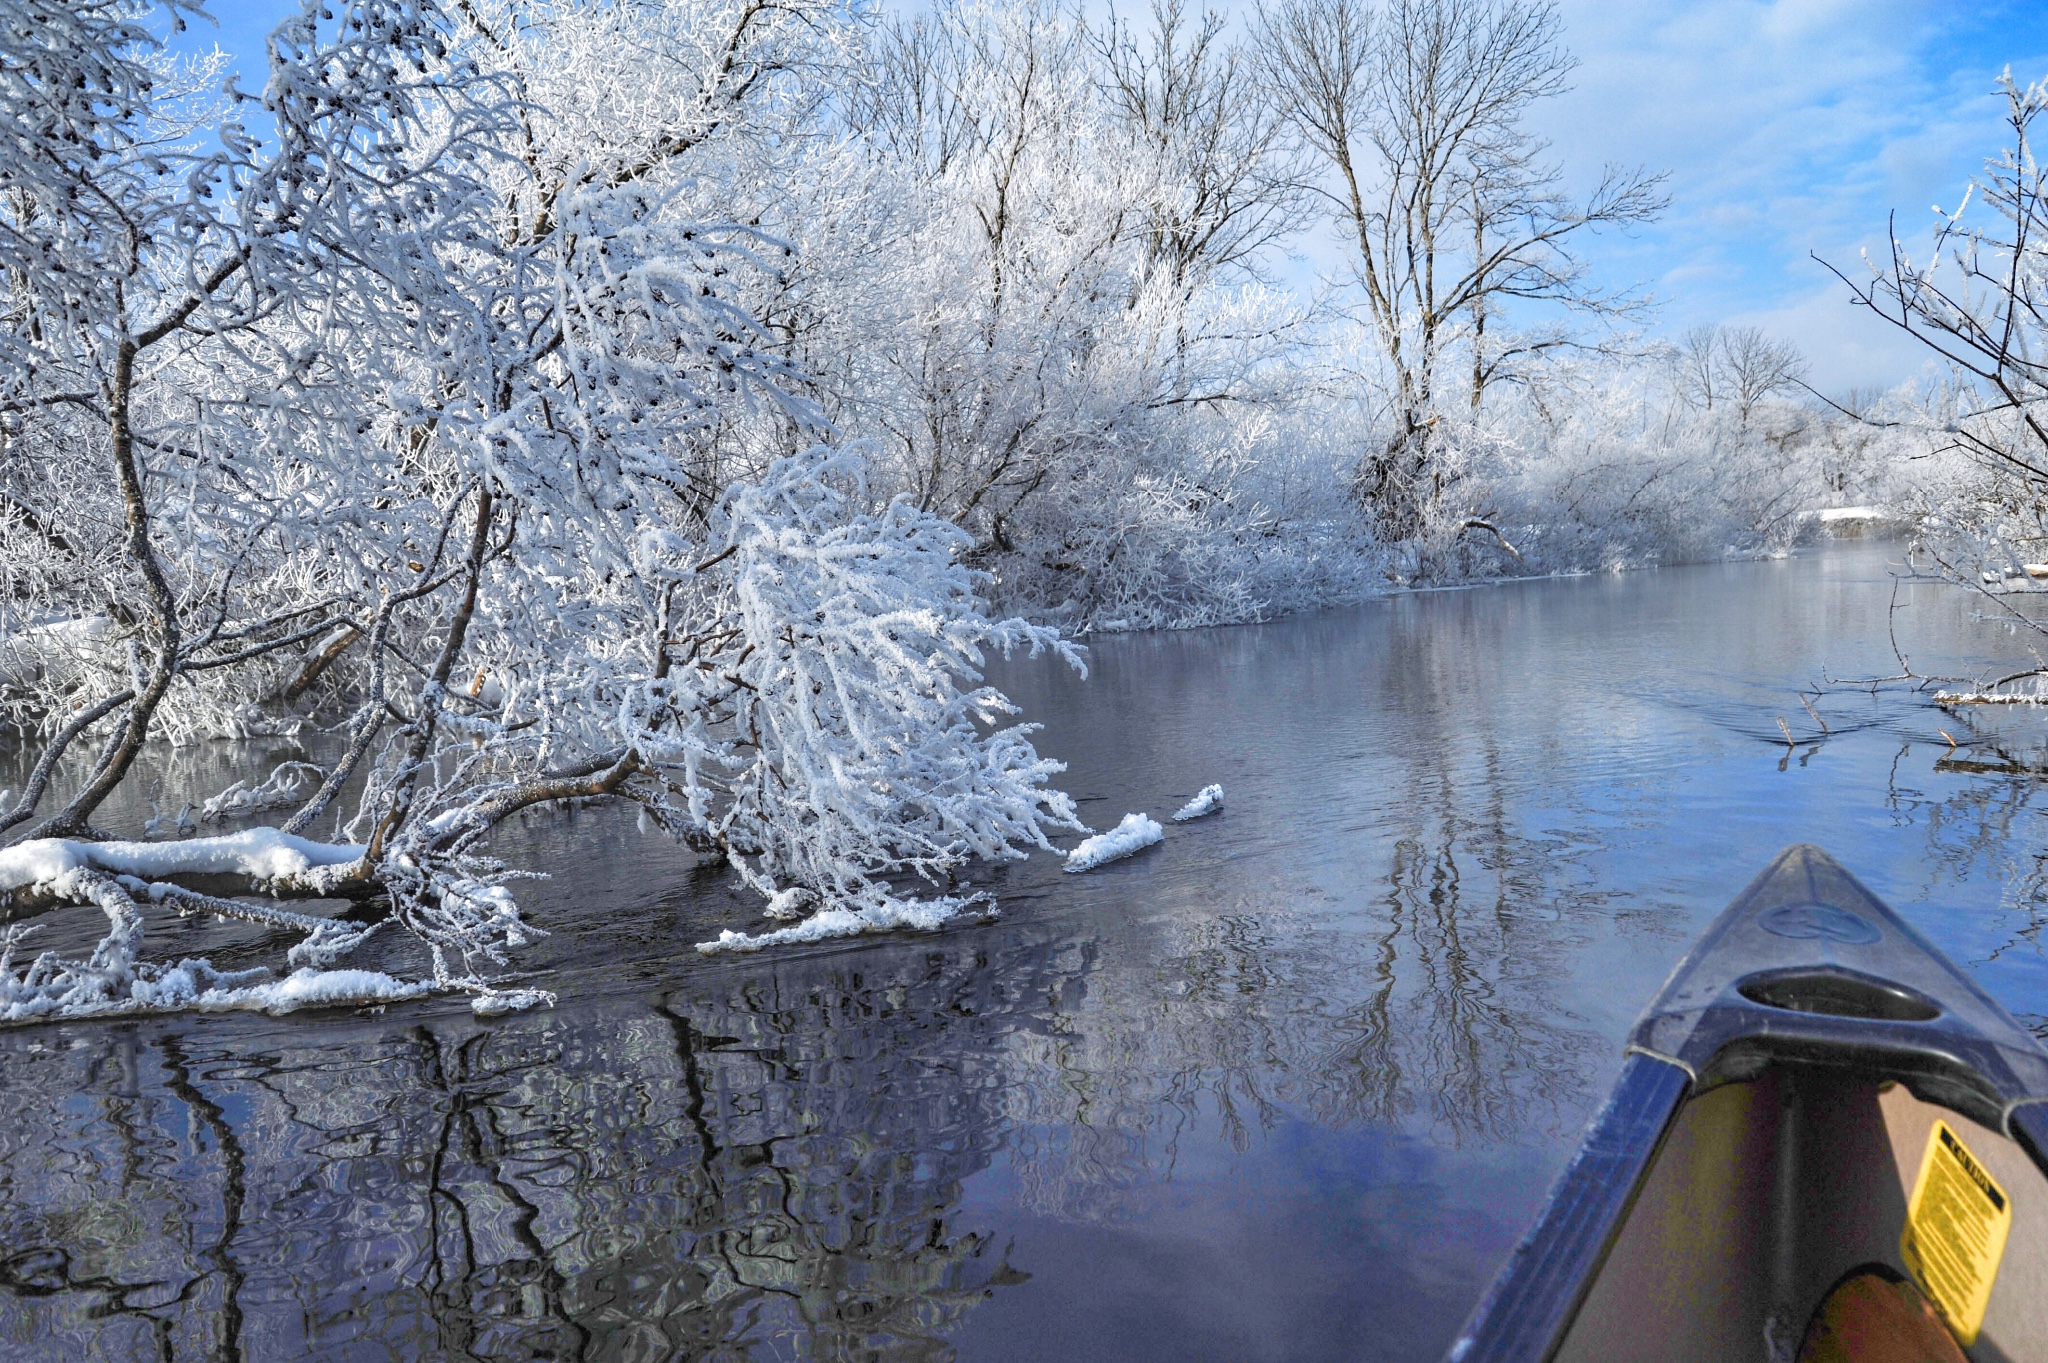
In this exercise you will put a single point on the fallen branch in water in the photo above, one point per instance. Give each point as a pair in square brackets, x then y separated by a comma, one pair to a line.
[1986, 698]
[114, 980]
[197, 876]
[45, 872]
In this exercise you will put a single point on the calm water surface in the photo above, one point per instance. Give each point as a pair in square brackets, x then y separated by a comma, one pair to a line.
[1287, 1087]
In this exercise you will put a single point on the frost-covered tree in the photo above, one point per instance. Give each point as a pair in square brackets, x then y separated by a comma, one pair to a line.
[986, 371]
[1976, 302]
[1223, 186]
[1443, 198]
[451, 411]
[1049, 316]
[141, 263]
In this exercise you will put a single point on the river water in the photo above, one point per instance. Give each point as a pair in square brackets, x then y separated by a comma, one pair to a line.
[1287, 1087]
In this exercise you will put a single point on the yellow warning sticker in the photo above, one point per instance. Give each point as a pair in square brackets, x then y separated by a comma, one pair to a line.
[1955, 1231]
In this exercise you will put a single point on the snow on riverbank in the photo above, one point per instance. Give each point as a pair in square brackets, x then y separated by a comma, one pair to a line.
[1134, 834]
[1209, 801]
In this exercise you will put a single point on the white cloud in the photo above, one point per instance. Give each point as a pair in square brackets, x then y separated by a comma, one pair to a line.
[1845, 346]
[1790, 129]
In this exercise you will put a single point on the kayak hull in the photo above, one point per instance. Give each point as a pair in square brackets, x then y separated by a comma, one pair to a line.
[1765, 1194]
[1755, 1157]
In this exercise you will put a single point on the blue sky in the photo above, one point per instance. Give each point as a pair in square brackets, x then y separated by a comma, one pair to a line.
[1788, 127]
[238, 28]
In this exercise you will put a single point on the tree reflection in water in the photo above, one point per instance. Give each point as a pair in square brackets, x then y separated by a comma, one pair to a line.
[768, 1163]
[1985, 827]
[775, 1175]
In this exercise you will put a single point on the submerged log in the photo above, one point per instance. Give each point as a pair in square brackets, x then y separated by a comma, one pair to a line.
[47, 873]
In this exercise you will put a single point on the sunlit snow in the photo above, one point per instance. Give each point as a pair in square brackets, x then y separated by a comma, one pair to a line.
[1134, 834]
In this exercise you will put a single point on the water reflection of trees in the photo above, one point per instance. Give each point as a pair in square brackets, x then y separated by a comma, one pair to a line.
[771, 1162]
[1434, 1006]
[1984, 826]
[766, 1164]
[770, 1174]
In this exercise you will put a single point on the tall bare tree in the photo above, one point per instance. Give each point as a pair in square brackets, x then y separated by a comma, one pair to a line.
[1737, 366]
[1696, 367]
[1225, 189]
[1758, 367]
[1452, 212]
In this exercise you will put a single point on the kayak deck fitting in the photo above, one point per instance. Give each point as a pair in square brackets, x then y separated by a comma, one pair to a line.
[1826, 1145]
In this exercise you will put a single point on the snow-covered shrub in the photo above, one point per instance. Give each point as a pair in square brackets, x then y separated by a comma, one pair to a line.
[1607, 466]
[452, 412]
[847, 739]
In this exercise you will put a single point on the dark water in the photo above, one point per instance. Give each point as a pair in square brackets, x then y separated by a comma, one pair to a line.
[1285, 1088]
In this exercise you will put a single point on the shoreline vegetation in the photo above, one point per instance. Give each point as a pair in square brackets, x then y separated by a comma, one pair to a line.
[677, 406]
